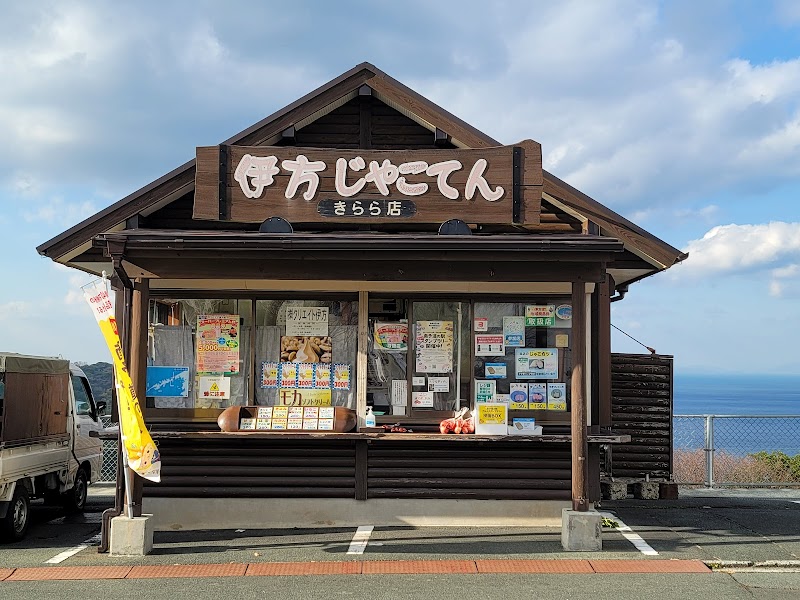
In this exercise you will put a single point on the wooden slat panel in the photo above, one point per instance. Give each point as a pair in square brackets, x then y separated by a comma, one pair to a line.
[642, 407]
[473, 494]
[441, 482]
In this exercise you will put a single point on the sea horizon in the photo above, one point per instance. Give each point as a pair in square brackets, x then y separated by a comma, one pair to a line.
[739, 394]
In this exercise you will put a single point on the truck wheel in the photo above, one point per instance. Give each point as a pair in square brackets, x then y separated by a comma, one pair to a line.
[75, 499]
[15, 524]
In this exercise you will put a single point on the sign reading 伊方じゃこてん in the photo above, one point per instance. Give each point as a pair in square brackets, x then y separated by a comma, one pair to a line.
[316, 185]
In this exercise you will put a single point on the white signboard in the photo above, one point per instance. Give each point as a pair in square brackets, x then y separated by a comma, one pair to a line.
[422, 399]
[303, 321]
[489, 344]
[537, 363]
[214, 388]
[438, 384]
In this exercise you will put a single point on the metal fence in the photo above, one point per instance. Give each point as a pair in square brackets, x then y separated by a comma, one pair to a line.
[108, 472]
[736, 450]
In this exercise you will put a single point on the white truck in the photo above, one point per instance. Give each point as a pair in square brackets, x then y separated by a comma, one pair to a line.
[47, 414]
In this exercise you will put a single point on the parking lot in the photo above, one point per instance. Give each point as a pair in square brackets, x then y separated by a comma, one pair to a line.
[714, 526]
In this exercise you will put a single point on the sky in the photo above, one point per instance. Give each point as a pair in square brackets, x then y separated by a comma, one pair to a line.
[682, 116]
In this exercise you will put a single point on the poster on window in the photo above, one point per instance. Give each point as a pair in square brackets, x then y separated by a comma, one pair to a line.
[434, 346]
[537, 363]
[307, 321]
[540, 315]
[218, 344]
[391, 337]
[306, 349]
[514, 332]
[168, 382]
[214, 388]
[269, 375]
[489, 344]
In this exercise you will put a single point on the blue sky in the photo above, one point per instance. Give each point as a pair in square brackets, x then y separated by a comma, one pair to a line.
[682, 116]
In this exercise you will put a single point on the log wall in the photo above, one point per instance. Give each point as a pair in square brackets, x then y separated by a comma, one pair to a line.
[641, 406]
[239, 467]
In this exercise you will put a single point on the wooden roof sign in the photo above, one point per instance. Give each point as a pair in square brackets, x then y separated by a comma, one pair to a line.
[249, 184]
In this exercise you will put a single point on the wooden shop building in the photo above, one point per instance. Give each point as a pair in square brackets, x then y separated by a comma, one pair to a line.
[362, 247]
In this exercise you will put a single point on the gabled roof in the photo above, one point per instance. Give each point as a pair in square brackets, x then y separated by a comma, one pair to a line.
[390, 91]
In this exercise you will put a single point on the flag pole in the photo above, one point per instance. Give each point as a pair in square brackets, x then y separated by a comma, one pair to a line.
[126, 470]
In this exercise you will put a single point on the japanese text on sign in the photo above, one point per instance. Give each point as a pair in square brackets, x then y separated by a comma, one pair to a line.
[306, 320]
[256, 173]
[367, 208]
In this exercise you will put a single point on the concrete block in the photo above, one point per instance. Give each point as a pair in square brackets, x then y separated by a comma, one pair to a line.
[668, 490]
[646, 490]
[581, 531]
[614, 490]
[131, 536]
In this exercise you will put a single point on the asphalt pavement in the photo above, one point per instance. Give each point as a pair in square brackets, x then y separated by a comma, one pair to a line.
[750, 538]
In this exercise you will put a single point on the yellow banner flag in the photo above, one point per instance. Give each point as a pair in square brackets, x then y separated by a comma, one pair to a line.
[142, 455]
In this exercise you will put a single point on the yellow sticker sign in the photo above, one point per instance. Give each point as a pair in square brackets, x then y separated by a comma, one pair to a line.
[297, 397]
[492, 414]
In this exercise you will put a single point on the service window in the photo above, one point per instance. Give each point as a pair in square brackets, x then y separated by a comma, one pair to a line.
[419, 356]
[199, 353]
[305, 352]
[522, 355]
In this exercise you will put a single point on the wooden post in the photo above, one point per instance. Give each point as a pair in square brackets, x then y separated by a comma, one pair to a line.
[602, 333]
[361, 361]
[137, 363]
[580, 450]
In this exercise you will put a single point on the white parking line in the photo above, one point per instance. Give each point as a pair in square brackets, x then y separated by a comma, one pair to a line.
[62, 556]
[633, 538]
[360, 539]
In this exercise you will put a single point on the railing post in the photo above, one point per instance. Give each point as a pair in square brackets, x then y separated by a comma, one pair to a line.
[709, 450]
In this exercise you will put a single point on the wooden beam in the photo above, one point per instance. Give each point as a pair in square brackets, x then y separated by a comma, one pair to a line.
[361, 360]
[365, 121]
[601, 319]
[580, 449]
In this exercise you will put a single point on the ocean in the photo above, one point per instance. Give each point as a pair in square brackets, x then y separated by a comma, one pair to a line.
[738, 395]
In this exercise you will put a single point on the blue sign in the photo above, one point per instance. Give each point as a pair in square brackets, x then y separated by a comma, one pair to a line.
[168, 382]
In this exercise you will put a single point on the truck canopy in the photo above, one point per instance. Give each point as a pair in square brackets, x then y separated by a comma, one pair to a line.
[20, 363]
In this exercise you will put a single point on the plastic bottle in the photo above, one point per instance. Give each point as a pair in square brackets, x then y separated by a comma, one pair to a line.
[369, 418]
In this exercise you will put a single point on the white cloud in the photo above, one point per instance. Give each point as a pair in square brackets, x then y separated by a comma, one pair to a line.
[56, 210]
[737, 248]
[706, 213]
[10, 311]
[784, 281]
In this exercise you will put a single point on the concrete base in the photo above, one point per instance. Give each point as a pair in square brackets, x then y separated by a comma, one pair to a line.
[668, 490]
[614, 490]
[173, 514]
[131, 536]
[646, 490]
[581, 531]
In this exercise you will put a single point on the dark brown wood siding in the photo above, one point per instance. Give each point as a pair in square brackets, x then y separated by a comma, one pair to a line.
[641, 405]
[257, 468]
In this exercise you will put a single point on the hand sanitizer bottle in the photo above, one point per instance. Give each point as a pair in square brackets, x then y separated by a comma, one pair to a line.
[369, 418]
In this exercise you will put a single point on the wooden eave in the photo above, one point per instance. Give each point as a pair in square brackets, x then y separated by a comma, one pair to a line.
[367, 257]
[181, 180]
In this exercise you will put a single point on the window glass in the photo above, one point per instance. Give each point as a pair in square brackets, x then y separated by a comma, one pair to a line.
[83, 405]
[522, 354]
[306, 352]
[440, 356]
[387, 357]
[203, 359]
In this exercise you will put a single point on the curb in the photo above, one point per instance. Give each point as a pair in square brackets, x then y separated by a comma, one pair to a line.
[718, 565]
